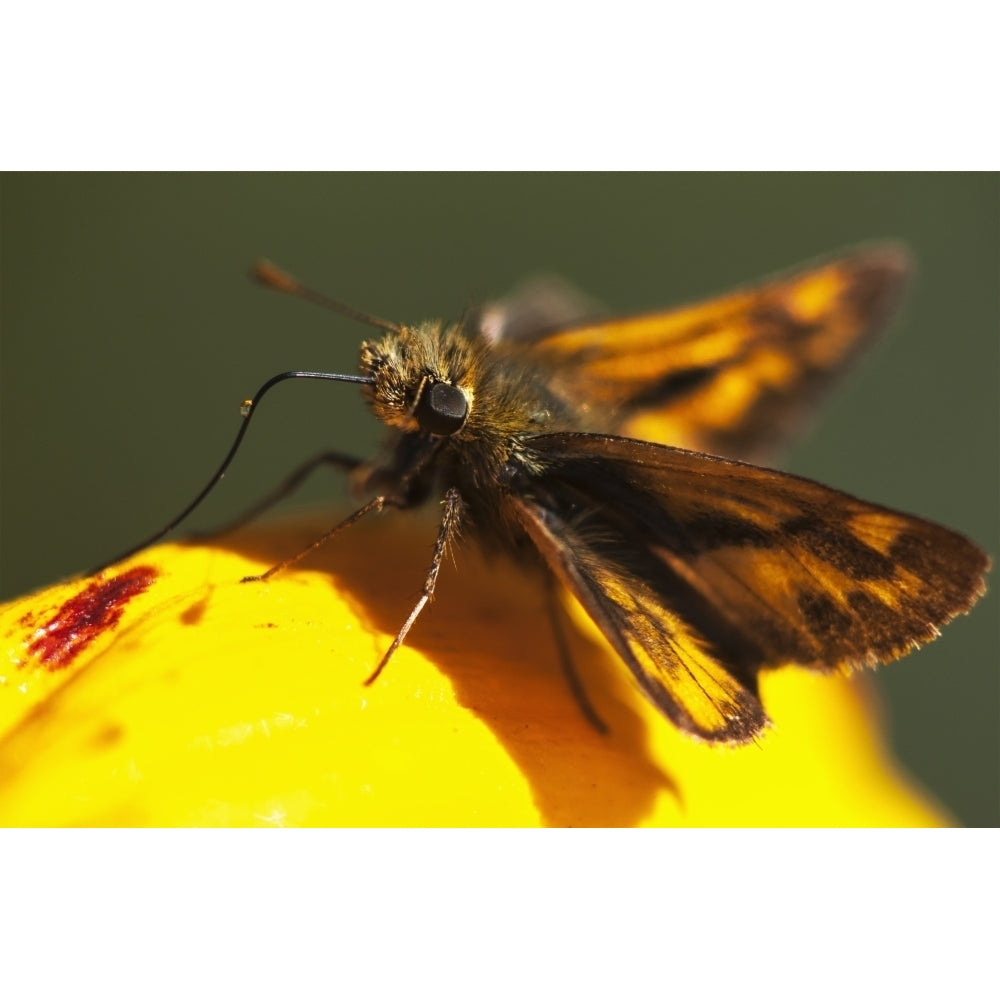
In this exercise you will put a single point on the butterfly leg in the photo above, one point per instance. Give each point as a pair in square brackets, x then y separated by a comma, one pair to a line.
[375, 504]
[286, 488]
[576, 687]
[450, 522]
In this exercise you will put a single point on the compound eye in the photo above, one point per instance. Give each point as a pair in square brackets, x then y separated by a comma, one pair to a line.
[442, 409]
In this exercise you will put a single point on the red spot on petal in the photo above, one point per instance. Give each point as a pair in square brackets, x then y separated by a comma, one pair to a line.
[95, 610]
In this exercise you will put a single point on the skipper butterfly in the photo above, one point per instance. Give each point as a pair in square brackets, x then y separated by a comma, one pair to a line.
[616, 454]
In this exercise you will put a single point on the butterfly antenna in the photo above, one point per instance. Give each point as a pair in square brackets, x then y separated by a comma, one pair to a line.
[247, 409]
[267, 274]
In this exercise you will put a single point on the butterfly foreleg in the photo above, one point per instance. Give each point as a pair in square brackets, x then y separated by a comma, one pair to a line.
[450, 523]
[375, 504]
[346, 463]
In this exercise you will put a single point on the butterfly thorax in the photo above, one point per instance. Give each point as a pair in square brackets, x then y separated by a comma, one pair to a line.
[463, 411]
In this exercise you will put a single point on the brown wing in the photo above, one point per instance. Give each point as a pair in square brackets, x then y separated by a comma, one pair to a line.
[702, 571]
[735, 375]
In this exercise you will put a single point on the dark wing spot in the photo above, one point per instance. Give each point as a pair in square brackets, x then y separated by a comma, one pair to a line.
[835, 544]
[674, 386]
[866, 606]
[824, 618]
[716, 530]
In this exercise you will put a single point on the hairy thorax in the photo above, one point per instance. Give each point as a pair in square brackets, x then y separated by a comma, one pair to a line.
[505, 400]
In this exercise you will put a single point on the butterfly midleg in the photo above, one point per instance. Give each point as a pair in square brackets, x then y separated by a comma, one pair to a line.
[346, 463]
[450, 522]
[375, 504]
[556, 617]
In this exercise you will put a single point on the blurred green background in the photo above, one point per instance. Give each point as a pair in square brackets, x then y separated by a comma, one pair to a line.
[130, 334]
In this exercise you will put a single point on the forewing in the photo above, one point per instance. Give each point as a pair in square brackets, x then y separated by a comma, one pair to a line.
[736, 375]
[703, 571]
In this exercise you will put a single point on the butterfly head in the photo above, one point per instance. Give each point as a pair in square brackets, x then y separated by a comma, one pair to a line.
[421, 379]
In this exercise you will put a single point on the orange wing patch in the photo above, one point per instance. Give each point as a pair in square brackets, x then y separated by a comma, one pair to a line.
[733, 375]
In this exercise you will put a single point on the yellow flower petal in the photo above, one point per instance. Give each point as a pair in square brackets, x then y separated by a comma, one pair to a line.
[211, 702]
